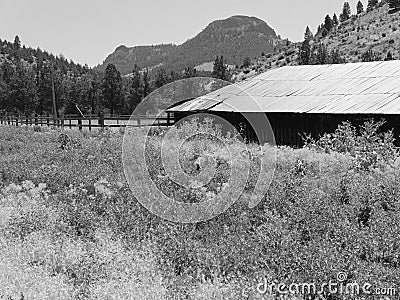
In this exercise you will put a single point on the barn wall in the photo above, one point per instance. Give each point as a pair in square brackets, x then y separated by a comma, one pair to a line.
[289, 128]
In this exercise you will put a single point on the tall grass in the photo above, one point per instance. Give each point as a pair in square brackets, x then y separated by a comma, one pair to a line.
[70, 227]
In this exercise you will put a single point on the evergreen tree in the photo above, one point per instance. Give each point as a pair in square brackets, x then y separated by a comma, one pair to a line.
[370, 56]
[304, 53]
[23, 94]
[335, 57]
[328, 23]
[389, 56]
[335, 20]
[324, 32]
[346, 12]
[308, 34]
[371, 4]
[112, 88]
[322, 56]
[17, 43]
[135, 91]
[190, 72]
[145, 83]
[161, 78]
[44, 88]
[220, 69]
[360, 7]
[246, 62]
[394, 6]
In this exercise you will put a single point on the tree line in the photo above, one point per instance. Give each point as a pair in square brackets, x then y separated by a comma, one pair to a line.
[311, 52]
[29, 76]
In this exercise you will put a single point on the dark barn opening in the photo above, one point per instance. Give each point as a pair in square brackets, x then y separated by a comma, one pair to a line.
[290, 128]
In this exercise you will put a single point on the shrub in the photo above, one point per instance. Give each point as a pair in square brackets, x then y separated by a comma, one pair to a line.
[368, 145]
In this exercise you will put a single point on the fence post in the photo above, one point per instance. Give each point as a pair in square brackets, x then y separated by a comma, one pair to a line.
[48, 120]
[101, 120]
[36, 119]
[62, 117]
[16, 120]
[90, 123]
[79, 122]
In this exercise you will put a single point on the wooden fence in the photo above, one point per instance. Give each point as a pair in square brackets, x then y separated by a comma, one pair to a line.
[88, 121]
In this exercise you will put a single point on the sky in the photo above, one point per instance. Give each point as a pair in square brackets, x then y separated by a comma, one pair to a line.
[86, 31]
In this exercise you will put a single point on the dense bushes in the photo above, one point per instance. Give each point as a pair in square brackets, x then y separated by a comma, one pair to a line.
[69, 220]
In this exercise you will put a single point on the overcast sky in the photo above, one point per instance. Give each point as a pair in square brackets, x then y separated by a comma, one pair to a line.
[86, 31]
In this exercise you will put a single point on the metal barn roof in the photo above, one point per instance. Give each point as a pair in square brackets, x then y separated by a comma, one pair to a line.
[354, 88]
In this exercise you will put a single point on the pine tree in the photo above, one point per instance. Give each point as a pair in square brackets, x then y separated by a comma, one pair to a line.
[324, 32]
[346, 12]
[328, 23]
[322, 55]
[360, 7]
[370, 56]
[220, 69]
[246, 62]
[161, 78]
[335, 20]
[335, 57]
[304, 53]
[135, 91]
[190, 72]
[389, 56]
[112, 88]
[145, 83]
[308, 34]
[371, 4]
[17, 43]
[394, 6]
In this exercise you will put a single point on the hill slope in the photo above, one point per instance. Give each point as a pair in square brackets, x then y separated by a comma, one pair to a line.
[235, 38]
[375, 31]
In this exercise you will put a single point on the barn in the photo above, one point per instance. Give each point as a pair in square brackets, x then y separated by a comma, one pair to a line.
[312, 99]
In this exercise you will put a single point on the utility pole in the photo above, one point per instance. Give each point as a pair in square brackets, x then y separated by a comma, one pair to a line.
[54, 95]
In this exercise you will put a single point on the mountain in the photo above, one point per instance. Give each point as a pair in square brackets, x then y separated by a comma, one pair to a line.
[371, 35]
[235, 38]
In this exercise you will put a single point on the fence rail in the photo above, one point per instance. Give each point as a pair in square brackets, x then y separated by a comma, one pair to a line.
[88, 121]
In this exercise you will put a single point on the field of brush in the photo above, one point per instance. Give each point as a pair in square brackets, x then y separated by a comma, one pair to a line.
[70, 227]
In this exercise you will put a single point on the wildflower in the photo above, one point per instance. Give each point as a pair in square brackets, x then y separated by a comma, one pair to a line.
[101, 187]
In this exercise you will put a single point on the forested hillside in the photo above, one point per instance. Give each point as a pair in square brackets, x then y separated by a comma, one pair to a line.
[28, 76]
[235, 38]
[370, 31]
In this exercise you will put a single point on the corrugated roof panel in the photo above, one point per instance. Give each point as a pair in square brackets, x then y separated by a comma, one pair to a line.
[372, 102]
[195, 104]
[347, 88]
[390, 107]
